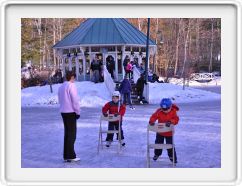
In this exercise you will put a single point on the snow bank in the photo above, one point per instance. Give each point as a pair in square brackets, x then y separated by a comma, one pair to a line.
[215, 82]
[91, 95]
[96, 95]
[157, 91]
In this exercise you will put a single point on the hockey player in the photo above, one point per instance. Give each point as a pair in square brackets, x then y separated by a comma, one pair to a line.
[167, 113]
[114, 107]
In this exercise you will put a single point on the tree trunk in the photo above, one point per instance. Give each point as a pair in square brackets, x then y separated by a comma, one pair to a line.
[154, 57]
[198, 41]
[139, 24]
[54, 40]
[211, 51]
[177, 47]
[185, 54]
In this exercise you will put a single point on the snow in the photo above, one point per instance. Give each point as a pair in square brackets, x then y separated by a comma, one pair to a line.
[215, 82]
[94, 95]
[197, 138]
[176, 92]
[91, 95]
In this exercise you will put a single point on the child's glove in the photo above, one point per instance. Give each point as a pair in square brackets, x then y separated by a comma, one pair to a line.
[116, 114]
[105, 114]
[152, 124]
[168, 124]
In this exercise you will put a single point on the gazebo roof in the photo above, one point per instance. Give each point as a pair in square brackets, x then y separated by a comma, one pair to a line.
[104, 31]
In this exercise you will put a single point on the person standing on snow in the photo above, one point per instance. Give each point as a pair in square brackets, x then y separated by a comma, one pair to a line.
[167, 113]
[70, 112]
[140, 87]
[114, 107]
[125, 90]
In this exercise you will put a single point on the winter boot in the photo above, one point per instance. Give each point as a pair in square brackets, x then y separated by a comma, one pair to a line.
[122, 143]
[171, 159]
[72, 160]
[155, 157]
[108, 143]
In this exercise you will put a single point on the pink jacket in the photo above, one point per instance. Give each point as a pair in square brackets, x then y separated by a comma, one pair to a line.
[129, 67]
[68, 98]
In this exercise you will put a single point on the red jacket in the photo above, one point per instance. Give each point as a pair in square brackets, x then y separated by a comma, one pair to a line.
[163, 117]
[112, 108]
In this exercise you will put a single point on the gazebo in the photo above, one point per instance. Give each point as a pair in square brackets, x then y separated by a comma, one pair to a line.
[106, 37]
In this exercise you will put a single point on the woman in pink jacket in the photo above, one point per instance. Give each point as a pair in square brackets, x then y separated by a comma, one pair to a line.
[70, 112]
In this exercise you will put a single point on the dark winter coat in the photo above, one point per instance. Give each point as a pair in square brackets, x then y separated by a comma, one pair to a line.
[163, 117]
[110, 65]
[112, 108]
[95, 65]
[125, 87]
[140, 83]
[125, 62]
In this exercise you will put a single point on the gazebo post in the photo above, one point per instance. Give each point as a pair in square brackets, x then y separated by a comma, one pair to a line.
[140, 57]
[90, 62]
[77, 67]
[116, 63]
[84, 66]
[70, 62]
[63, 65]
[123, 56]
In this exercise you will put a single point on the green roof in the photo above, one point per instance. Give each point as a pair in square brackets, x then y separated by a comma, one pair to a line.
[104, 31]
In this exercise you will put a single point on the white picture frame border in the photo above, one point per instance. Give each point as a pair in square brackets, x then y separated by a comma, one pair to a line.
[5, 4]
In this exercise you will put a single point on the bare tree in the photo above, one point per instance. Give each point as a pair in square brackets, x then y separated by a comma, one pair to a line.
[37, 23]
[177, 46]
[54, 41]
[186, 36]
[211, 48]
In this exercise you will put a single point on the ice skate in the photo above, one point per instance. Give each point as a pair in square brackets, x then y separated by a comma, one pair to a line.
[72, 160]
[108, 143]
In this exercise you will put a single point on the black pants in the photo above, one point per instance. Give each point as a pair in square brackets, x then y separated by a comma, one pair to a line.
[111, 72]
[114, 126]
[160, 140]
[129, 73]
[69, 120]
[140, 94]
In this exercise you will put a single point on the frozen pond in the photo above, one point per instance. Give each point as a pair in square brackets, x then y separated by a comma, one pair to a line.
[197, 138]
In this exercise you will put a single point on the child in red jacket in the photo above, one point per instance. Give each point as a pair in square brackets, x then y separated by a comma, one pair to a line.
[114, 107]
[166, 114]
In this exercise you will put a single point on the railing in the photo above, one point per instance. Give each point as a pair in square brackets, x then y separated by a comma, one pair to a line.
[202, 77]
[108, 80]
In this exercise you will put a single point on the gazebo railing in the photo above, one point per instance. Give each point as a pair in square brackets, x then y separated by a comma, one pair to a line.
[108, 80]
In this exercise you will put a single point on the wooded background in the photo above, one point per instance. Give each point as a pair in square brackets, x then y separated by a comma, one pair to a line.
[184, 45]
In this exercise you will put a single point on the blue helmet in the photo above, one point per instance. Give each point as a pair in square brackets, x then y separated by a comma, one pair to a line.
[165, 103]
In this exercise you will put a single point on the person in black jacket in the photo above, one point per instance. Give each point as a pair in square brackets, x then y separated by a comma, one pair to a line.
[111, 66]
[95, 67]
[140, 87]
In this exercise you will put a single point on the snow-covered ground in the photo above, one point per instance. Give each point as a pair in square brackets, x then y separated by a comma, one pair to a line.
[197, 138]
[91, 95]
[95, 95]
[215, 82]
